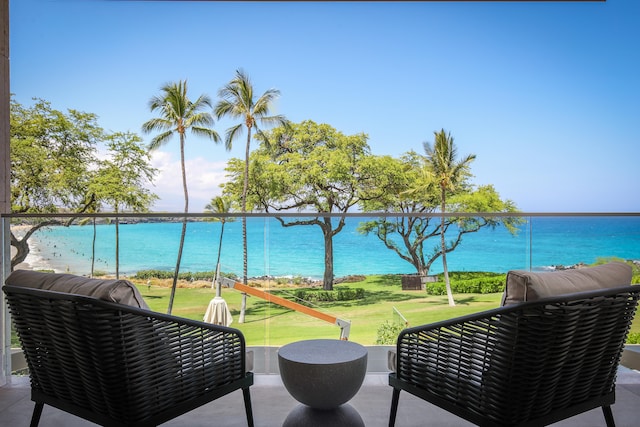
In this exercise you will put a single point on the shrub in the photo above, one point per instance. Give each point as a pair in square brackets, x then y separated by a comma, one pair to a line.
[633, 338]
[388, 333]
[187, 275]
[469, 283]
[320, 295]
[436, 288]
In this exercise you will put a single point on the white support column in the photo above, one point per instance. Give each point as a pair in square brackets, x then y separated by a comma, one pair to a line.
[5, 186]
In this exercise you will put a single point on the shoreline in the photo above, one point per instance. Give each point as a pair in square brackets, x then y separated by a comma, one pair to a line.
[46, 255]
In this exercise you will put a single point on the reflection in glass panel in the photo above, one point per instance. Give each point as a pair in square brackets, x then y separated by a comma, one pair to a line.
[371, 286]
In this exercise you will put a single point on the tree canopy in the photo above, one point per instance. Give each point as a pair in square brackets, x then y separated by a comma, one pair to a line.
[121, 178]
[306, 167]
[54, 166]
[51, 157]
[415, 216]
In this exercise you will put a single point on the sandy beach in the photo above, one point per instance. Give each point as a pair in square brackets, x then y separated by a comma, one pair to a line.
[36, 261]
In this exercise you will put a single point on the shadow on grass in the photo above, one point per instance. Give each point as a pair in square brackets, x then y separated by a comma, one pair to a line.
[259, 309]
[391, 280]
[378, 297]
[466, 300]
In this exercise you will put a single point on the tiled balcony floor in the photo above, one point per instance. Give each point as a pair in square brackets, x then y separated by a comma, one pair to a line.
[272, 403]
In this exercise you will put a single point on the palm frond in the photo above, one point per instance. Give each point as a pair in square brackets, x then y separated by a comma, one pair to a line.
[225, 108]
[206, 132]
[156, 124]
[160, 140]
[198, 119]
[231, 134]
[265, 102]
[274, 120]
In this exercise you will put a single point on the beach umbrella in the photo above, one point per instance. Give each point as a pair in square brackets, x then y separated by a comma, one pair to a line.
[218, 313]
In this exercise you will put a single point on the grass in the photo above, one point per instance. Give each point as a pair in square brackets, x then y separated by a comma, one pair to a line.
[268, 324]
[271, 325]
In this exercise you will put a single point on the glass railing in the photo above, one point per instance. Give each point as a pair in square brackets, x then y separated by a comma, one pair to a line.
[375, 286]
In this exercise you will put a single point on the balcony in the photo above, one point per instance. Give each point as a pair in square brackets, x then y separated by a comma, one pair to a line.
[275, 252]
[272, 403]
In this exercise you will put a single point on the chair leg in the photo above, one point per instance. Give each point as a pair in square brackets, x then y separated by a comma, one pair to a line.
[394, 407]
[37, 412]
[247, 406]
[608, 416]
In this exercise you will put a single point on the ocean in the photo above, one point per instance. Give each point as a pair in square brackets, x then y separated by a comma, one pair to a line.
[276, 251]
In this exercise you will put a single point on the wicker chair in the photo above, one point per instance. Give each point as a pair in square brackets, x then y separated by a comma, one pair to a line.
[118, 365]
[527, 364]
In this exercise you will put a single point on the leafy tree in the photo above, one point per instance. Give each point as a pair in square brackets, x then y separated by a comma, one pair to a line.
[178, 114]
[405, 234]
[307, 166]
[219, 205]
[121, 178]
[52, 154]
[408, 234]
[238, 102]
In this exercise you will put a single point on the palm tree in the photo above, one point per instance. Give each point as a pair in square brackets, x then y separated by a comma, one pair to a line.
[237, 102]
[448, 173]
[219, 205]
[177, 115]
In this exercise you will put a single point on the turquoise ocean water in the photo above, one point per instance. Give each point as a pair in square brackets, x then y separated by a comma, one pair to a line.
[542, 242]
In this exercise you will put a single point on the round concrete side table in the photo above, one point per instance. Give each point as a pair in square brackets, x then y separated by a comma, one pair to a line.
[323, 375]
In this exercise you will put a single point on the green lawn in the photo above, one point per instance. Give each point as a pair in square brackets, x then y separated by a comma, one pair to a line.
[268, 324]
[271, 325]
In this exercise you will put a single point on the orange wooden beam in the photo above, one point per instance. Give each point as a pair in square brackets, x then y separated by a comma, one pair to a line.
[284, 302]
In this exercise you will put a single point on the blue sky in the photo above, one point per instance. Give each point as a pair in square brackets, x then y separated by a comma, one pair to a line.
[547, 95]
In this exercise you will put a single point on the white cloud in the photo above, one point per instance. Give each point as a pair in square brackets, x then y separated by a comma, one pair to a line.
[203, 182]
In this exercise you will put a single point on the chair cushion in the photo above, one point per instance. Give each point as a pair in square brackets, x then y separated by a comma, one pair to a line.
[525, 285]
[119, 291]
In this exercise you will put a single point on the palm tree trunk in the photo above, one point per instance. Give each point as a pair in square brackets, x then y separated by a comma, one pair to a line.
[447, 283]
[216, 278]
[93, 248]
[176, 272]
[184, 226]
[245, 189]
[117, 244]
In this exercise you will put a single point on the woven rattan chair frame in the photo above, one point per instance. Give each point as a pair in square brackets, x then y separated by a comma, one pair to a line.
[529, 364]
[117, 365]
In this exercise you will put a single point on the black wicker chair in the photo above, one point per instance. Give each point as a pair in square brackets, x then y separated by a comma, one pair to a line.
[117, 365]
[528, 364]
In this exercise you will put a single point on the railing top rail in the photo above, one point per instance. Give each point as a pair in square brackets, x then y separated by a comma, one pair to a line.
[196, 215]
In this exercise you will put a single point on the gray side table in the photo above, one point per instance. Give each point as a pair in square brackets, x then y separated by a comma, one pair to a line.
[323, 375]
